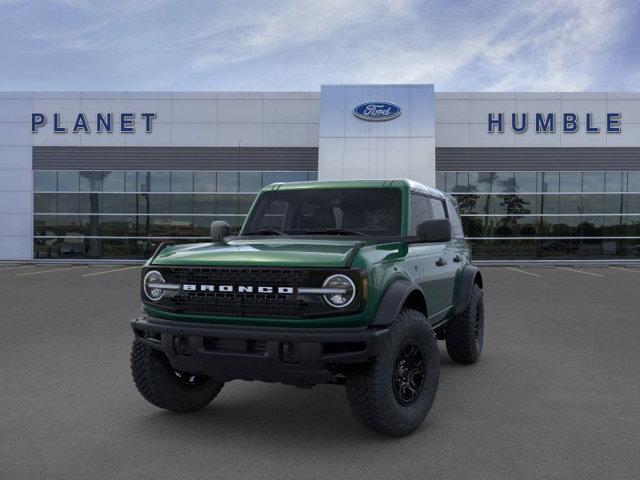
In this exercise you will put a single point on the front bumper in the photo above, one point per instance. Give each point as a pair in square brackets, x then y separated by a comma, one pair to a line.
[297, 356]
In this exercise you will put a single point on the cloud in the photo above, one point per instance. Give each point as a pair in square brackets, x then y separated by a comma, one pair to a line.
[299, 44]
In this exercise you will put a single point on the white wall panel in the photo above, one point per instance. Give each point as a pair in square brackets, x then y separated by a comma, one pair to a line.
[538, 96]
[533, 106]
[240, 95]
[285, 111]
[479, 110]
[16, 248]
[597, 107]
[356, 150]
[332, 119]
[15, 158]
[15, 134]
[397, 158]
[103, 139]
[314, 111]
[285, 95]
[330, 155]
[420, 168]
[148, 95]
[452, 111]
[15, 202]
[629, 108]
[15, 225]
[15, 109]
[478, 137]
[531, 138]
[15, 181]
[249, 135]
[313, 134]
[162, 109]
[285, 135]
[583, 139]
[630, 136]
[194, 111]
[68, 108]
[161, 136]
[92, 106]
[194, 95]
[452, 134]
[193, 135]
[46, 136]
[239, 111]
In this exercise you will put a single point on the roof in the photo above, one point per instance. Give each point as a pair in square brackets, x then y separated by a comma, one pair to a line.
[364, 183]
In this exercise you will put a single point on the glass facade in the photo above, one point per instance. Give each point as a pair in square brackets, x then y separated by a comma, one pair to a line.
[548, 215]
[552, 215]
[126, 214]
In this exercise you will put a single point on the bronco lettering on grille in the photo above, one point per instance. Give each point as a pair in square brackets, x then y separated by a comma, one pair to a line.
[191, 287]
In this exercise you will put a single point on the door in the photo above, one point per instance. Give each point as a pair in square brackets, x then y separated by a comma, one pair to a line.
[444, 262]
[436, 268]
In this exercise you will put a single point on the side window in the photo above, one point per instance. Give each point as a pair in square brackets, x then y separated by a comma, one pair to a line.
[454, 217]
[437, 206]
[420, 211]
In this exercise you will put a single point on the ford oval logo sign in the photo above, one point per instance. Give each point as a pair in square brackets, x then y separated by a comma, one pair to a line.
[377, 111]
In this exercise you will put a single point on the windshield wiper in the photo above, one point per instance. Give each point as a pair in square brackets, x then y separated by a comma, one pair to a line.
[337, 231]
[267, 231]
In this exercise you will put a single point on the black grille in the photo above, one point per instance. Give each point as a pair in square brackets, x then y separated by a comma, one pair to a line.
[247, 304]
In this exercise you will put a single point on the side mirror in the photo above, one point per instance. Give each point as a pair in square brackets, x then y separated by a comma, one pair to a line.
[219, 230]
[435, 230]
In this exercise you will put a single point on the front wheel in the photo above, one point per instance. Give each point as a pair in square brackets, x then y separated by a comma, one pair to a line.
[164, 386]
[394, 393]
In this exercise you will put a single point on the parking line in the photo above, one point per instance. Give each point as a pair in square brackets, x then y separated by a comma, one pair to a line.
[581, 271]
[110, 271]
[49, 271]
[522, 271]
[634, 270]
[14, 268]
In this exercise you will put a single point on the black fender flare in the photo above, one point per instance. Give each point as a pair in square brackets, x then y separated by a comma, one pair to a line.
[467, 279]
[392, 300]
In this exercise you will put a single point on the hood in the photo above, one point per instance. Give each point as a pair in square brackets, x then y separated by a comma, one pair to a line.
[281, 252]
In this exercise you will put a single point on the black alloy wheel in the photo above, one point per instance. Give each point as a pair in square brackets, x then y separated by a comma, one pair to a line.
[408, 373]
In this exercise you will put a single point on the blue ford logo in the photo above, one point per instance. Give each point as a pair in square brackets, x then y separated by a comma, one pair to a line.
[377, 111]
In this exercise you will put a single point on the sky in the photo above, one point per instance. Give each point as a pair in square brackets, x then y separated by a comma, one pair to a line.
[284, 45]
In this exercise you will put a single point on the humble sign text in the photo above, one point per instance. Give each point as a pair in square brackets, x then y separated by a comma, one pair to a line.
[551, 122]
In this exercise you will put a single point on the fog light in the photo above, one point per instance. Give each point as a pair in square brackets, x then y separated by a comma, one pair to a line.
[181, 345]
[289, 352]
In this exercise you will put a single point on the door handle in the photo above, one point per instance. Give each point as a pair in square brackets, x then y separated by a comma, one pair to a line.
[441, 262]
[457, 258]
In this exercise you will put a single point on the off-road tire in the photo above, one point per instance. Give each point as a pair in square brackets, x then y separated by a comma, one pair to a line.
[465, 332]
[159, 384]
[370, 388]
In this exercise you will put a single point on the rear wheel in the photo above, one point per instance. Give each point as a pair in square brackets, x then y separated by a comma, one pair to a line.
[394, 393]
[465, 332]
[164, 386]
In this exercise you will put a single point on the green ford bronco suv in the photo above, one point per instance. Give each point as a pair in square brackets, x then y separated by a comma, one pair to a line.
[341, 282]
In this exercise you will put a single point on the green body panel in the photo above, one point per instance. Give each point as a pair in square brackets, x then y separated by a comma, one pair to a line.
[383, 261]
[272, 251]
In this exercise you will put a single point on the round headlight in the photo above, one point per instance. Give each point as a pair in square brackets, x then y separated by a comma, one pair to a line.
[150, 285]
[345, 291]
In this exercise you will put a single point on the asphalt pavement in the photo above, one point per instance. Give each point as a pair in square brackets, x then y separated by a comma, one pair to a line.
[556, 394]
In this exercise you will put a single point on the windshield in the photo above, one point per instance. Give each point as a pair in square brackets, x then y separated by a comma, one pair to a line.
[331, 211]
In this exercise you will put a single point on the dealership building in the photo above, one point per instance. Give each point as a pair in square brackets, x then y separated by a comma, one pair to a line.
[110, 175]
